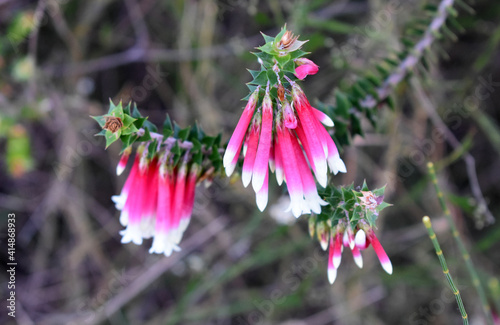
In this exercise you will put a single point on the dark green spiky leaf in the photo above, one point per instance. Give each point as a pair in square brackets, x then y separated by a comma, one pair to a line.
[267, 59]
[149, 126]
[139, 122]
[271, 76]
[208, 141]
[135, 112]
[254, 73]
[126, 109]
[198, 158]
[289, 67]
[128, 120]
[146, 136]
[356, 125]
[260, 79]
[167, 124]
[252, 89]
[183, 134]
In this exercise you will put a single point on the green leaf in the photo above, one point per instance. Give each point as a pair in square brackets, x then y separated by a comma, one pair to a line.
[267, 38]
[126, 109]
[280, 35]
[289, 67]
[267, 48]
[111, 137]
[271, 76]
[260, 79]
[282, 60]
[183, 134]
[267, 59]
[146, 136]
[100, 119]
[150, 126]
[128, 120]
[297, 54]
[254, 73]
[379, 191]
[135, 112]
[129, 130]
[343, 104]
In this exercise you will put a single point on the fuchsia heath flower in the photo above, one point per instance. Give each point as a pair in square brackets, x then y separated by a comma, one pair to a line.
[157, 201]
[291, 134]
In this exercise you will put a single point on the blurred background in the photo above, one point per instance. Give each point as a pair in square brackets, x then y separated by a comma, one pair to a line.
[63, 60]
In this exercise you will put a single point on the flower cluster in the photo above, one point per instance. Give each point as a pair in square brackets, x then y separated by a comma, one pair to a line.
[280, 128]
[156, 200]
[350, 225]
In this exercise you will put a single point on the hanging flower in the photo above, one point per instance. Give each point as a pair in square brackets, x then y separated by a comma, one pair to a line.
[305, 67]
[286, 132]
[350, 224]
[157, 199]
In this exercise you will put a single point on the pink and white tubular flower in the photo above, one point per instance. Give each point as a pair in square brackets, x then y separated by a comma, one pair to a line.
[123, 161]
[298, 204]
[332, 270]
[314, 130]
[157, 201]
[339, 239]
[260, 167]
[305, 67]
[366, 236]
[234, 146]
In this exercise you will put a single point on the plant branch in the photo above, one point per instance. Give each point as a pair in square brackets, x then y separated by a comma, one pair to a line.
[414, 56]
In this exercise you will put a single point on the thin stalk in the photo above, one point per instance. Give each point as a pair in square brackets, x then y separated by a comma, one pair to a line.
[444, 266]
[461, 246]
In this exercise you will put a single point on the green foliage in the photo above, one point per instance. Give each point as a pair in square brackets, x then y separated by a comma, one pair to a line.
[353, 204]
[201, 148]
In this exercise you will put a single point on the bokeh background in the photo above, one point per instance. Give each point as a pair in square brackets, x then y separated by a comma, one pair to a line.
[63, 60]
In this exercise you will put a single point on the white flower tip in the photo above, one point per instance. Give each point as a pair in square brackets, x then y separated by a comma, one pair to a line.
[345, 239]
[272, 165]
[261, 200]
[358, 260]
[332, 275]
[336, 260]
[339, 163]
[119, 169]
[258, 180]
[228, 158]
[387, 266]
[131, 234]
[119, 201]
[279, 176]
[324, 245]
[230, 169]
[246, 177]
[327, 121]
[360, 239]
[322, 178]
